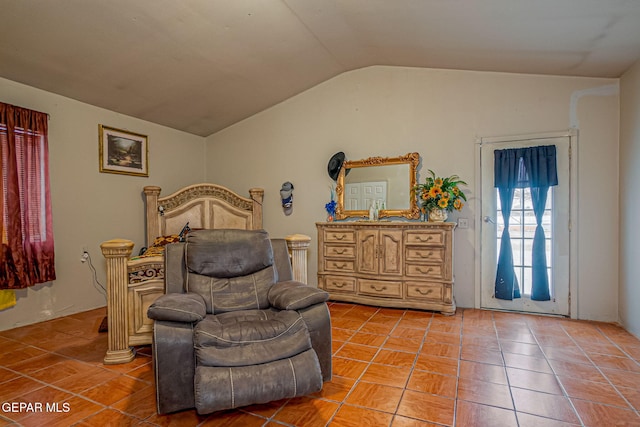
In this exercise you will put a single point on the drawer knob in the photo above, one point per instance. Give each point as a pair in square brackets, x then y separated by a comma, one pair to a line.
[339, 237]
[339, 267]
[339, 251]
[420, 291]
[429, 270]
[428, 239]
[339, 285]
[421, 255]
[383, 288]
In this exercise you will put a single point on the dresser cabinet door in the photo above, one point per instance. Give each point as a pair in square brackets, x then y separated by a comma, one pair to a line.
[367, 247]
[390, 252]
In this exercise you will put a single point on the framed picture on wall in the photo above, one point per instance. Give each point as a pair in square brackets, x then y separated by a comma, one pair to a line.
[123, 152]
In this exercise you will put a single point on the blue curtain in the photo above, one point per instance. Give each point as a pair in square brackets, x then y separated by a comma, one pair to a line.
[535, 168]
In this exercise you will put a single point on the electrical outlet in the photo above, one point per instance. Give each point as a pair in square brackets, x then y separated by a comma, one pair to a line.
[463, 223]
[84, 257]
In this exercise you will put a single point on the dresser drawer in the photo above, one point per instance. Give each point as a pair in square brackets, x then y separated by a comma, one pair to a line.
[425, 254]
[339, 236]
[339, 265]
[338, 251]
[339, 284]
[434, 237]
[425, 291]
[425, 271]
[380, 288]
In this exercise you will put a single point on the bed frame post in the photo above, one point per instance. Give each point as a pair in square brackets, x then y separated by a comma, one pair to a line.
[151, 194]
[257, 194]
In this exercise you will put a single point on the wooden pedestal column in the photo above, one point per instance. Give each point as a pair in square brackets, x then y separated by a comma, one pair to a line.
[298, 245]
[117, 252]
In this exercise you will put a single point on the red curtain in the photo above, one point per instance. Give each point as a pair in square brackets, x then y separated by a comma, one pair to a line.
[27, 255]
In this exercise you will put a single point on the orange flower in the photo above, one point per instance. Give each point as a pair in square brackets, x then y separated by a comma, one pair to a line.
[458, 204]
[424, 195]
[438, 182]
[434, 192]
[443, 203]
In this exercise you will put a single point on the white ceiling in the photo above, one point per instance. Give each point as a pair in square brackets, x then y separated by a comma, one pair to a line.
[202, 65]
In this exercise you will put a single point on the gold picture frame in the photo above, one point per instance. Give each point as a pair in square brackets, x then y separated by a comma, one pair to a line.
[123, 152]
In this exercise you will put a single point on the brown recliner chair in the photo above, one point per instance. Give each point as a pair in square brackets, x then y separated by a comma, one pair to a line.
[233, 329]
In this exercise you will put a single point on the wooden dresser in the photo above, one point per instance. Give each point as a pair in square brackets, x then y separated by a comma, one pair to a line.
[389, 264]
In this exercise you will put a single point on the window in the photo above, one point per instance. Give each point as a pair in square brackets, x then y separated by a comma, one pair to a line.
[27, 254]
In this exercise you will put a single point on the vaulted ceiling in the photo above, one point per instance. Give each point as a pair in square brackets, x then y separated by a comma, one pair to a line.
[202, 65]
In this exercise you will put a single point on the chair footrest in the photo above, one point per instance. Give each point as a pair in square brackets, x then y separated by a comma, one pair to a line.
[219, 388]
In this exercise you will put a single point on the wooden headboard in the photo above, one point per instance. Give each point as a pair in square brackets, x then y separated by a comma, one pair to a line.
[206, 206]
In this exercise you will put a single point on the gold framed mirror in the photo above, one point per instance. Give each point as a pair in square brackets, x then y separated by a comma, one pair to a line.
[389, 181]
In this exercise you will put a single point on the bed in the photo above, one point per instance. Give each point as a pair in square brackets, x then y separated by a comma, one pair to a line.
[134, 282]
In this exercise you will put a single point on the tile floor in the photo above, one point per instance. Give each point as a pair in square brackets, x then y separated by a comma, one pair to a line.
[392, 367]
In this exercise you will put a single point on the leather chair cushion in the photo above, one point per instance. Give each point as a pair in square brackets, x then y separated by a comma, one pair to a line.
[235, 293]
[178, 308]
[250, 337]
[228, 253]
[292, 295]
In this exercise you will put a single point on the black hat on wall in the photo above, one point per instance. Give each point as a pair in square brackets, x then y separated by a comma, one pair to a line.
[335, 164]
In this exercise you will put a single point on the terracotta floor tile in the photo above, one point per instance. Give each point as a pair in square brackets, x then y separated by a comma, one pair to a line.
[614, 362]
[336, 389]
[352, 416]
[483, 372]
[367, 339]
[140, 404]
[84, 380]
[451, 351]
[348, 368]
[114, 390]
[593, 391]
[476, 415]
[570, 354]
[341, 334]
[544, 405]
[377, 328]
[442, 337]
[395, 358]
[400, 421]
[632, 395]
[403, 344]
[531, 380]
[233, 419]
[408, 333]
[304, 411]
[357, 352]
[395, 376]
[430, 382]
[577, 370]
[375, 396]
[537, 364]
[526, 349]
[109, 417]
[528, 420]
[425, 360]
[622, 378]
[427, 407]
[17, 387]
[440, 365]
[597, 415]
[484, 393]
[480, 354]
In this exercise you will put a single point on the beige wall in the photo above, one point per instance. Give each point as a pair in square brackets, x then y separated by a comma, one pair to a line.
[90, 207]
[388, 111]
[629, 301]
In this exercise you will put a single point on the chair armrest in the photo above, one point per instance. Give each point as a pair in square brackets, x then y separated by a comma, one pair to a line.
[178, 308]
[292, 295]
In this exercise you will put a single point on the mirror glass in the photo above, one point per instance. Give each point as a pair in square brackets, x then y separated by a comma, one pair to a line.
[387, 181]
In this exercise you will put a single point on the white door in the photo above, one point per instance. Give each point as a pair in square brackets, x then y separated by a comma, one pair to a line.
[522, 223]
[360, 195]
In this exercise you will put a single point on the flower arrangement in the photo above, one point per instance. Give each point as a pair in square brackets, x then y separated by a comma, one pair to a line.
[441, 193]
[331, 206]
